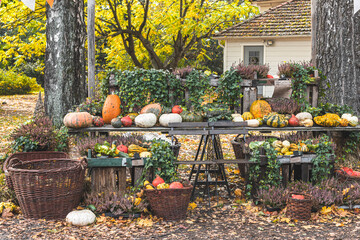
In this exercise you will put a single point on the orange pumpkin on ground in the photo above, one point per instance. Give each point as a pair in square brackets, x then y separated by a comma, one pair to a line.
[78, 120]
[260, 108]
[111, 108]
[154, 108]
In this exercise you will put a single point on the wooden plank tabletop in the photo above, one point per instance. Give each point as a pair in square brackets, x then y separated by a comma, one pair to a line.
[193, 126]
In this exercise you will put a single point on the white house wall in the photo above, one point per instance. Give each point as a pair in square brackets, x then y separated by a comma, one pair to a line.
[283, 49]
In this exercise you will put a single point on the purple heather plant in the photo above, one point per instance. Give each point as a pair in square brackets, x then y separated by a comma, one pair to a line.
[39, 134]
[115, 203]
[183, 72]
[247, 72]
[273, 196]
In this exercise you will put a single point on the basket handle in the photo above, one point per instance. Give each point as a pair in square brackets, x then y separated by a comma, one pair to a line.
[11, 163]
[83, 162]
[174, 137]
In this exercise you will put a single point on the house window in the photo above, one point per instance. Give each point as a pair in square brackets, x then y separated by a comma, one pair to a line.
[254, 55]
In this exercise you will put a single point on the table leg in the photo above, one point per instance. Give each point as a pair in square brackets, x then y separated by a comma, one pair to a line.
[305, 172]
[196, 156]
[285, 174]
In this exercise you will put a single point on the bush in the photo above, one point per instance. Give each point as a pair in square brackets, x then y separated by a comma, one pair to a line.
[13, 83]
[40, 135]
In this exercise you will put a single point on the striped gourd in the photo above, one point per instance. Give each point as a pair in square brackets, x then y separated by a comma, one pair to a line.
[276, 120]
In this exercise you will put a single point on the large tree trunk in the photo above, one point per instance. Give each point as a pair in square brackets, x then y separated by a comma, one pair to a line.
[336, 46]
[65, 79]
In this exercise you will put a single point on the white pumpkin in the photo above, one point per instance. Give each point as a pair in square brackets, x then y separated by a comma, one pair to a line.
[145, 120]
[81, 217]
[165, 119]
[303, 116]
[353, 121]
[253, 123]
[346, 116]
[237, 118]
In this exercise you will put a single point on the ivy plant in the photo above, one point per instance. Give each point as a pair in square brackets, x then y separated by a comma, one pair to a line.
[162, 160]
[229, 89]
[198, 84]
[321, 164]
[272, 175]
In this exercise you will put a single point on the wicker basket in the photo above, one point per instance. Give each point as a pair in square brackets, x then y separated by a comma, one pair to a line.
[48, 188]
[29, 156]
[299, 209]
[169, 204]
[346, 178]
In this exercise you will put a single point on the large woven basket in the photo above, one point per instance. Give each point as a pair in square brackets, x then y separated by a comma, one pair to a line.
[299, 209]
[48, 188]
[169, 204]
[29, 156]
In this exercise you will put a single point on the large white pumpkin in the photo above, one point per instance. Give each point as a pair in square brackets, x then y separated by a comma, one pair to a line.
[165, 119]
[145, 120]
[81, 217]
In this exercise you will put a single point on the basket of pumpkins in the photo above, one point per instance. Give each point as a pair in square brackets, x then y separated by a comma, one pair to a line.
[168, 200]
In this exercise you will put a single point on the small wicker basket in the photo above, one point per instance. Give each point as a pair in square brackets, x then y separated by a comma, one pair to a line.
[345, 178]
[299, 209]
[169, 204]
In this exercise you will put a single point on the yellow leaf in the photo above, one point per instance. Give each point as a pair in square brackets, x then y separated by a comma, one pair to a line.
[237, 171]
[326, 210]
[192, 206]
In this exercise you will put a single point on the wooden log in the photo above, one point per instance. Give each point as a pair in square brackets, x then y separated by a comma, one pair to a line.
[108, 179]
[91, 48]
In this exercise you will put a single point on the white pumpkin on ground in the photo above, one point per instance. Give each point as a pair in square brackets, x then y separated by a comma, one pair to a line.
[81, 217]
[145, 120]
[253, 123]
[165, 119]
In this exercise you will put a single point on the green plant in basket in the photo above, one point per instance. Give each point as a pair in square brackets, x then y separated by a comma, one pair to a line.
[162, 160]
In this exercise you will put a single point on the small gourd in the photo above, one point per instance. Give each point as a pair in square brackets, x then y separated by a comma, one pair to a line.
[344, 122]
[247, 116]
[165, 119]
[307, 123]
[275, 120]
[354, 121]
[116, 122]
[238, 119]
[302, 117]
[81, 217]
[146, 120]
[154, 108]
[253, 123]
[145, 154]
[98, 121]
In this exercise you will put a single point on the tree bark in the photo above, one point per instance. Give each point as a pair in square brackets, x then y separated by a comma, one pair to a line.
[65, 78]
[336, 43]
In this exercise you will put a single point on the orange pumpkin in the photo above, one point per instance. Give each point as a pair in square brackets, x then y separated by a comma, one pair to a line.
[77, 120]
[111, 108]
[260, 108]
[154, 108]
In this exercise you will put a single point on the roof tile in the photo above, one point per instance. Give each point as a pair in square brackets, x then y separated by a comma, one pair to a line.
[292, 18]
